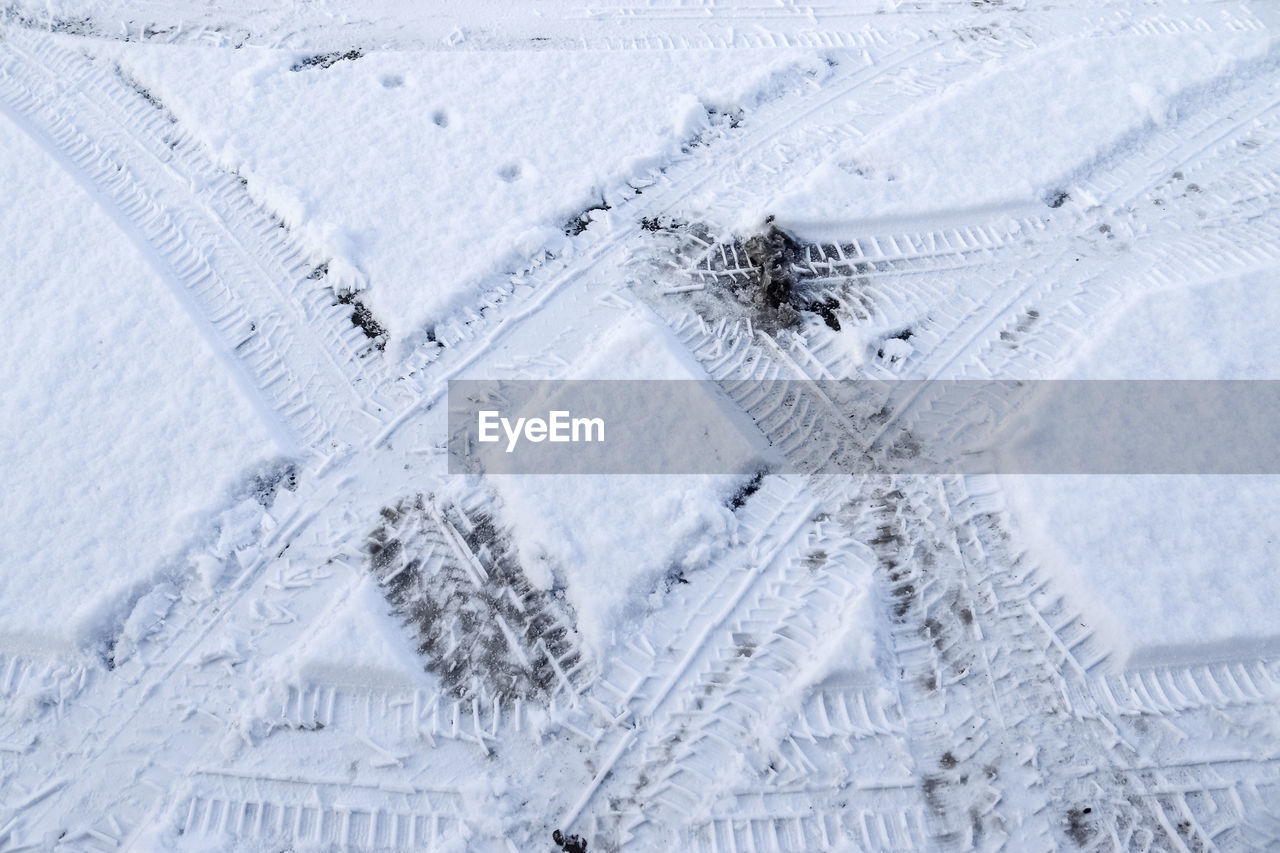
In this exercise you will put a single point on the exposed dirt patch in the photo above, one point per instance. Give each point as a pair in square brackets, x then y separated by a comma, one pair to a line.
[361, 317]
[569, 843]
[1080, 826]
[326, 60]
[264, 484]
[748, 489]
[768, 277]
[580, 221]
[477, 621]
[772, 294]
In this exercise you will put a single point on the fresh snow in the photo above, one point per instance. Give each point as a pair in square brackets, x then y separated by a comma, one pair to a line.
[123, 432]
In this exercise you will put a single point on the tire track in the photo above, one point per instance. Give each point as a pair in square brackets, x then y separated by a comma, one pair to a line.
[1064, 646]
[1193, 140]
[299, 360]
[340, 815]
[1232, 196]
[484, 630]
[250, 578]
[874, 817]
[731, 355]
[466, 338]
[661, 27]
[187, 670]
[1143, 758]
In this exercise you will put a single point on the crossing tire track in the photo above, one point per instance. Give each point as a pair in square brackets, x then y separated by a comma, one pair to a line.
[727, 350]
[1143, 757]
[917, 303]
[1202, 138]
[778, 131]
[192, 640]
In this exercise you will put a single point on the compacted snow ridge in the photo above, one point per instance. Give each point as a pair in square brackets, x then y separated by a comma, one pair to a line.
[244, 604]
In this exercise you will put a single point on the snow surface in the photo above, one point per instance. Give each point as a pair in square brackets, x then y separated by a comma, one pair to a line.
[122, 431]
[694, 662]
[612, 540]
[1018, 132]
[1170, 560]
[357, 644]
[480, 159]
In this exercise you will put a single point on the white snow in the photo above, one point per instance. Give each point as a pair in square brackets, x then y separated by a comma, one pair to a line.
[359, 643]
[122, 430]
[1000, 139]
[610, 540]
[1171, 560]
[820, 665]
[478, 159]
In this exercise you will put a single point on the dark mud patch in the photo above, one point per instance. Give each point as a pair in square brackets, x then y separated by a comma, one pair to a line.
[673, 577]
[655, 224]
[143, 92]
[1057, 198]
[772, 294]
[718, 122]
[481, 627]
[361, 317]
[932, 631]
[1022, 326]
[770, 276]
[266, 482]
[815, 560]
[882, 348]
[740, 497]
[904, 597]
[933, 787]
[1080, 827]
[569, 843]
[326, 60]
[581, 220]
[78, 25]
[826, 309]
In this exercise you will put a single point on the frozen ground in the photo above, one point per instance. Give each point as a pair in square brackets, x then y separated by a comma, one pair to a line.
[244, 606]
